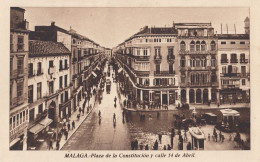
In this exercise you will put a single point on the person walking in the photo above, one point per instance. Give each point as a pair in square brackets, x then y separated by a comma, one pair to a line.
[57, 145]
[169, 147]
[68, 126]
[155, 146]
[172, 140]
[160, 137]
[146, 147]
[79, 110]
[50, 145]
[209, 137]
[73, 124]
[66, 134]
[115, 99]
[114, 118]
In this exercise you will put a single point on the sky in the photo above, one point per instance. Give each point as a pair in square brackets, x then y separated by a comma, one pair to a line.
[110, 26]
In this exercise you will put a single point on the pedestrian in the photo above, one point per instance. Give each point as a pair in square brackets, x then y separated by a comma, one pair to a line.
[141, 147]
[50, 145]
[54, 136]
[68, 125]
[209, 137]
[114, 118]
[160, 137]
[164, 147]
[230, 137]
[169, 147]
[73, 124]
[146, 147]
[79, 110]
[222, 138]
[172, 140]
[189, 146]
[132, 145]
[57, 145]
[115, 99]
[216, 137]
[66, 134]
[83, 111]
[155, 146]
[78, 117]
[185, 136]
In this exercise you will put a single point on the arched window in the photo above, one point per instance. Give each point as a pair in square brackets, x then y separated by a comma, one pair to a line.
[203, 62]
[183, 61]
[213, 45]
[203, 46]
[183, 46]
[198, 46]
[213, 61]
[197, 62]
[192, 46]
[192, 62]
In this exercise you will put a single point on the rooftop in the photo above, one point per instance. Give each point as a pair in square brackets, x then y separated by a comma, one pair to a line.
[232, 36]
[45, 48]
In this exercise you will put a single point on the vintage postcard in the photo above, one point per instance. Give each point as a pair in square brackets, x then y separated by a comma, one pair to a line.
[131, 82]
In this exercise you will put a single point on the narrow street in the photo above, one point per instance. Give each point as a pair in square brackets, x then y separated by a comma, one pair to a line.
[93, 135]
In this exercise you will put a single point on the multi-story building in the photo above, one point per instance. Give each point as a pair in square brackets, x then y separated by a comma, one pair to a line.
[48, 84]
[148, 57]
[234, 69]
[18, 78]
[198, 65]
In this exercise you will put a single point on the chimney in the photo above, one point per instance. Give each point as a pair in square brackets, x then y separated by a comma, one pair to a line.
[173, 25]
[53, 23]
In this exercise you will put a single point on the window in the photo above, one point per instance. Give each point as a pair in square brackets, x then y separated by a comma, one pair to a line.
[30, 94]
[66, 96]
[183, 61]
[50, 63]
[204, 62]
[213, 78]
[10, 123]
[65, 80]
[17, 119]
[20, 65]
[26, 114]
[40, 109]
[20, 44]
[192, 62]
[158, 68]
[212, 46]
[138, 51]
[60, 79]
[51, 88]
[31, 115]
[20, 89]
[30, 69]
[243, 82]
[145, 52]
[39, 68]
[61, 98]
[60, 65]
[232, 42]
[170, 68]
[243, 70]
[233, 58]
[183, 77]
[213, 61]
[224, 58]
[11, 43]
[157, 51]
[198, 46]
[197, 62]
[39, 90]
[23, 116]
[13, 122]
[242, 58]
[183, 46]
[192, 46]
[203, 46]
[170, 51]
[223, 42]
[242, 42]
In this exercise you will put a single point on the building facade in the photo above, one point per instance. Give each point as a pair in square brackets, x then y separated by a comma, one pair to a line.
[234, 65]
[198, 63]
[149, 58]
[19, 116]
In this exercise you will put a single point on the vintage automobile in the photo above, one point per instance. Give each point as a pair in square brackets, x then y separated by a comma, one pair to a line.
[210, 118]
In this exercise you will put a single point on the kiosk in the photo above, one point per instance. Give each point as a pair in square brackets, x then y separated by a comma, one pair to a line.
[197, 138]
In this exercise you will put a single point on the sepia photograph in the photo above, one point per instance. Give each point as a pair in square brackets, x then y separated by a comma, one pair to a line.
[129, 78]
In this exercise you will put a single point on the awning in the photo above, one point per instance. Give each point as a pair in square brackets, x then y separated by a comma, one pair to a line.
[36, 129]
[229, 112]
[95, 75]
[45, 122]
[14, 142]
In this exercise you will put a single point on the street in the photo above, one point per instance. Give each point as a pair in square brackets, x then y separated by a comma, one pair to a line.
[104, 136]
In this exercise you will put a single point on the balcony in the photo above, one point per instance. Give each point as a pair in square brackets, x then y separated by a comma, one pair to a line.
[230, 86]
[142, 58]
[244, 75]
[142, 73]
[229, 74]
[244, 61]
[52, 70]
[186, 52]
[224, 60]
[157, 57]
[233, 60]
[164, 73]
